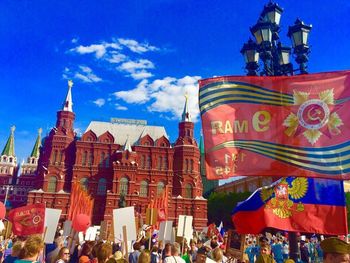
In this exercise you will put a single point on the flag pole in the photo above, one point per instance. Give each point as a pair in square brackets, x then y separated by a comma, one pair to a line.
[294, 252]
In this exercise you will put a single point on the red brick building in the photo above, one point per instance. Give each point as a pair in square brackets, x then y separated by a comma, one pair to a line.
[121, 157]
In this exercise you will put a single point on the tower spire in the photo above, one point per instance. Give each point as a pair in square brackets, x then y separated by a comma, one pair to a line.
[9, 149]
[127, 146]
[36, 149]
[68, 104]
[186, 114]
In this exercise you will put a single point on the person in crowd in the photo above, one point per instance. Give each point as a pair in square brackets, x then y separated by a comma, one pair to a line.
[144, 257]
[285, 249]
[155, 256]
[218, 255]
[335, 250]
[166, 251]
[33, 247]
[304, 252]
[86, 252]
[201, 255]
[250, 251]
[277, 250]
[175, 254]
[185, 256]
[134, 256]
[117, 255]
[265, 254]
[193, 250]
[63, 256]
[16, 249]
[59, 243]
[104, 252]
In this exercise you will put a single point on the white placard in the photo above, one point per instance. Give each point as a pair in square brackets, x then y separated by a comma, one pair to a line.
[165, 230]
[184, 227]
[91, 233]
[124, 217]
[52, 216]
[67, 228]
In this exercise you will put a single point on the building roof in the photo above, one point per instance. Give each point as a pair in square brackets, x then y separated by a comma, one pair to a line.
[123, 132]
[36, 149]
[9, 149]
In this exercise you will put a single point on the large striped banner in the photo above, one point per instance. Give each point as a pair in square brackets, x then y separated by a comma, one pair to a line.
[268, 126]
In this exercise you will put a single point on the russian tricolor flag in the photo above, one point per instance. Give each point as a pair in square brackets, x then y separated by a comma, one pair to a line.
[300, 204]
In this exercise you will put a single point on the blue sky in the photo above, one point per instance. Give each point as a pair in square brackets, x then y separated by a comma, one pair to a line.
[136, 59]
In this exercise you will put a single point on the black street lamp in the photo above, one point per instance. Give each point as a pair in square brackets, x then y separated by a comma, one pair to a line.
[268, 48]
[275, 60]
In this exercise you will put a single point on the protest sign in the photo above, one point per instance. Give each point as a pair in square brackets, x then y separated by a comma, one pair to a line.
[52, 216]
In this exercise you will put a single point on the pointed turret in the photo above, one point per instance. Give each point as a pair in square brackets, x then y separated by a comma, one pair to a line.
[36, 149]
[68, 103]
[186, 114]
[9, 149]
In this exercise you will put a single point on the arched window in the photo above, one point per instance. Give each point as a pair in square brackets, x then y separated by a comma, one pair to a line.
[84, 182]
[102, 159]
[107, 160]
[143, 161]
[54, 157]
[148, 162]
[186, 165]
[188, 191]
[84, 158]
[123, 187]
[191, 169]
[160, 188]
[51, 187]
[102, 187]
[159, 163]
[165, 162]
[91, 159]
[61, 157]
[144, 189]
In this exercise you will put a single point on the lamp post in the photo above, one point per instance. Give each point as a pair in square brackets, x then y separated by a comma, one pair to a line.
[267, 49]
[267, 56]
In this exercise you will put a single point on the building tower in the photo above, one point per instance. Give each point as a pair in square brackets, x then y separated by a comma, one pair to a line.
[27, 179]
[187, 183]
[58, 156]
[8, 161]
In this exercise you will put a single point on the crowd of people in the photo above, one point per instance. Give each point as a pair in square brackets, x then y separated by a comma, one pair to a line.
[258, 249]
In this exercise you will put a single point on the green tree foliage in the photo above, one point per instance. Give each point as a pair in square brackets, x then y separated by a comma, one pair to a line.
[220, 206]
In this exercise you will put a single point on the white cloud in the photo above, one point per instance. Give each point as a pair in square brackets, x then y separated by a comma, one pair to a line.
[86, 75]
[99, 49]
[167, 95]
[137, 69]
[143, 74]
[139, 95]
[99, 102]
[116, 57]
[120, 107]
[135, 46]
[75, 40]
[131, 66]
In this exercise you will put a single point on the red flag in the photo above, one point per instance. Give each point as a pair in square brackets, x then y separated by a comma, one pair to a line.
[262, 126]
[28, 220]
[308, 205]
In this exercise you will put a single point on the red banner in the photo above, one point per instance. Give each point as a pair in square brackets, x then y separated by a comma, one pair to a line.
[268, 126]
[28, 220]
